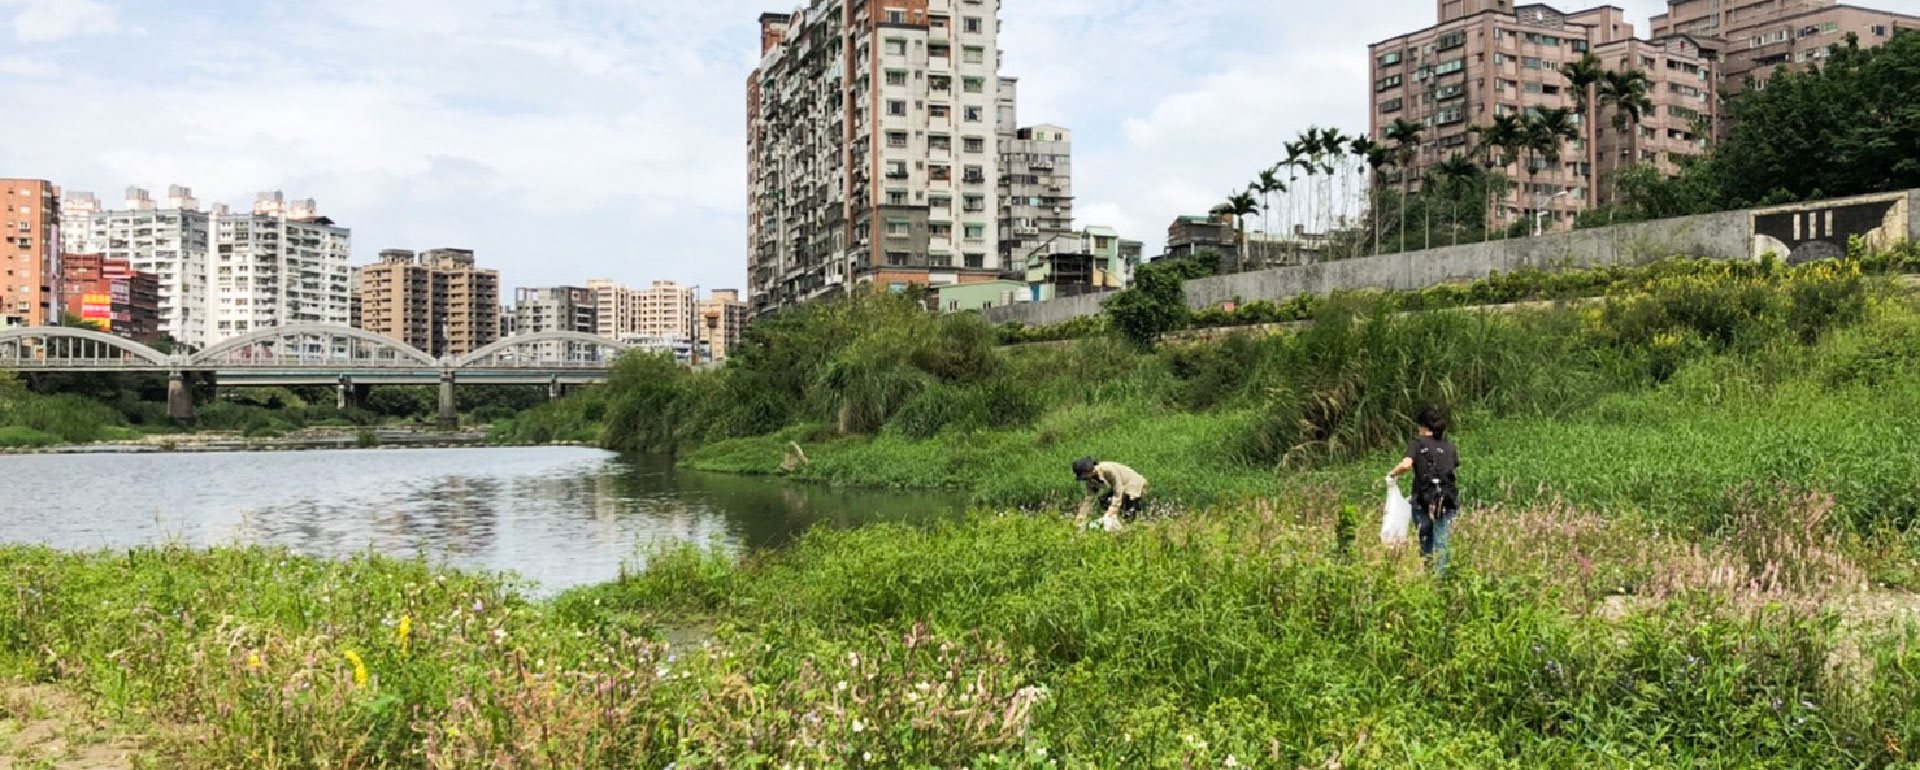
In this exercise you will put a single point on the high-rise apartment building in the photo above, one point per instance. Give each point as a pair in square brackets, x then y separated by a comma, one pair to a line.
[222, 274]
[1486, 58]
[29, 252]
[169, 239]
[1036, 184]
[663, 310]
[721, 317]
[555, 308]
[1755, 38]
[110, 294]
[282, 263]
[872, 152]
[438, 301]
[615, 309]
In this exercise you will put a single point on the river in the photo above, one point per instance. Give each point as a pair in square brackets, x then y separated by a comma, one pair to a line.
[558, 516]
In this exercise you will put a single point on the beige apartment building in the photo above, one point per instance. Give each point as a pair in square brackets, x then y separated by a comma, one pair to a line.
[721, 316]
[1487, 58]
[663, 310]
[872, 152]
[29, 252]
[1755, 38]
[438, 301]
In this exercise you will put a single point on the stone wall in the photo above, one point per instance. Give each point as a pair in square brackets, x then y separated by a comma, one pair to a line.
[1725, 235]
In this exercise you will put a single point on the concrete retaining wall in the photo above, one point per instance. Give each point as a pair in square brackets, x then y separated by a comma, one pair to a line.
[1725, 235]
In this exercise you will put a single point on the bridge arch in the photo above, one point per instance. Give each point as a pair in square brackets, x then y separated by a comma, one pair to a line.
[562, 349]
[70, 347]
[312, 344]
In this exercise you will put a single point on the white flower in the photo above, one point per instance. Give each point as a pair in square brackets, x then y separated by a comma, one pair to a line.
[867, 755]
[1231, 762]
[859, 726]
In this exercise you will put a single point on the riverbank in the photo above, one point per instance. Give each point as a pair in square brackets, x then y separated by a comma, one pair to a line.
[1269, 635]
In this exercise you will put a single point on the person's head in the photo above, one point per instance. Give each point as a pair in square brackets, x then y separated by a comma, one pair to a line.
[1432, 423]
[1083, 468]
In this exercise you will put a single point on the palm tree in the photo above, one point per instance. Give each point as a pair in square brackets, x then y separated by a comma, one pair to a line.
[1455, 175]
[1502, 141]
[1333, 150]
[1267, 184]
[1374, 157]
[1583, 76]
[1239, 205]
[1405, 135]
[1626, 92]
[1546, 133]
[1295, 162]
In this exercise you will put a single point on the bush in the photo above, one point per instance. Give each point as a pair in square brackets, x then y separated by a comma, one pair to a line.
[14, 436]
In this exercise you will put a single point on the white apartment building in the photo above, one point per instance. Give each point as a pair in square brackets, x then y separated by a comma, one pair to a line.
[663, 310]
[872, 149]
[170, 239]
[1036, 182]
[283, 263]
[222, 274]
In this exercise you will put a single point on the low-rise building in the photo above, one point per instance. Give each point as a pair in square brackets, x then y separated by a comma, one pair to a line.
[110, 295]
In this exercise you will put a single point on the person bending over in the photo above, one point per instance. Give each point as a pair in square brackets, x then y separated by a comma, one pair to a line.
[1119, 489]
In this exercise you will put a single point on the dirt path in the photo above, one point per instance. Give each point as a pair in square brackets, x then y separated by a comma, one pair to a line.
[45, 728]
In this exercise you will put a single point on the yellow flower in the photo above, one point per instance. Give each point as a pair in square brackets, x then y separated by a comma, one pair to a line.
[359, 669]
[254, 663]
[405, 630]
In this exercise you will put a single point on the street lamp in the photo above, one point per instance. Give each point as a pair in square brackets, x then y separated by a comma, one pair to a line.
[1540, 208]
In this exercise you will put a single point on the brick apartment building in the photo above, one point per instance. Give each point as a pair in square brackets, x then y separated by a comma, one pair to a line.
[110, 294]
[29, 252]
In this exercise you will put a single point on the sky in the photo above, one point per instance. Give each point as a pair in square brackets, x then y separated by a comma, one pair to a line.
[564, 140]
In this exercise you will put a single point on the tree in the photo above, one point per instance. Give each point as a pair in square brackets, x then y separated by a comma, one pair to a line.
[1583, 77]
[1502, 142]
[1266, 184]
[1239, 205]
[1156, 303]
[1546, 132]
[1375, 157]
[1847, 127]
[1626, 92]
[1454, 176]
[1405, 135]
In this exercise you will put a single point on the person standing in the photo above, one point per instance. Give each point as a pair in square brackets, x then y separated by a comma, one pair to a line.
[1436, 495]
[1120, 490]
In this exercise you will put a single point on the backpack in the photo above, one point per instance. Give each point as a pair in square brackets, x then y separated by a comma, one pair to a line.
[1434, 463]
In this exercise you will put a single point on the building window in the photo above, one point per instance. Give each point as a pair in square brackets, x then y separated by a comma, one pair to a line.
[1450, 41]
[896, 77]
[973, 204]
[940, 202]
[976, 233]
[896, 169]
[1532, 62]
[974, 175]
[1390, 105]
[972, 25]
[973, 85]
[939, 51]
[899, 228]
[1879, 30]
[939, 173]
[897, 139]
[937, 111]
[1389, 59]
[1448, 117]
[940, 259]
[896, 197]
[974, 54]
[896, 259]
[896, 46]
[1448, 68]
[976, 260]
[1388, 82]
[940, 142]
[940, 230]
[972, 114]
[896, 107]
[976, 144]
[939, 82]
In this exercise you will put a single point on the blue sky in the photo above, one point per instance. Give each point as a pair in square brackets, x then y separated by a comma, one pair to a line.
[570, 139]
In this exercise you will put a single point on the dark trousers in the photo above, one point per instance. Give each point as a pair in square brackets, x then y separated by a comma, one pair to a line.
[1435, 530]
[1129, 506]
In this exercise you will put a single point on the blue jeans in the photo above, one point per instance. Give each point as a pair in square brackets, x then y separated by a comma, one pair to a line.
[1434, 533]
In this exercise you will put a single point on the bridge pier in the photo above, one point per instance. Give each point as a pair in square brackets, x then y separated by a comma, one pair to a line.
[350, 396]
[179, 398]
[449, 414]
[555, 390]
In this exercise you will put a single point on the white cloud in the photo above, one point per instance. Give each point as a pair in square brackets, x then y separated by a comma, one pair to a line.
[45, 21]
[27, 67]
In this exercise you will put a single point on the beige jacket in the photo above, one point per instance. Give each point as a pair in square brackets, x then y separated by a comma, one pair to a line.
[1124, 481]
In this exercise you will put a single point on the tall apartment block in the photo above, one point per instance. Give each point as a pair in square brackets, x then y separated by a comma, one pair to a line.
[29, 252]
[1036, 181]
[1755, 38]
[555, 308]
[222, 274]
[438, 301]
[872, 152]
[282, 263]
[1486, 58]
[663, 310]
[170, 239]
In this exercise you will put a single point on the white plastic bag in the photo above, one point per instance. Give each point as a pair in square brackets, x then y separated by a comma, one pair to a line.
[1398, 516]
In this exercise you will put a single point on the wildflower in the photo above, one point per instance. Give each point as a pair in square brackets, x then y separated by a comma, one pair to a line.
[359, 668]
[859, 726]
[405, 630]
[254, 663]
[478, 607]
[1231, 761]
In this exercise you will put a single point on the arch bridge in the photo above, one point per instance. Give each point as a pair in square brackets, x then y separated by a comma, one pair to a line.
[351, 359]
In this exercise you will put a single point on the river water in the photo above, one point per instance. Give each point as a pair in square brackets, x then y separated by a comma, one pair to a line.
[558, 516]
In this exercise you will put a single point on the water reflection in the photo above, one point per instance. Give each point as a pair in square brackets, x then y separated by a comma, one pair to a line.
[558, 516]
